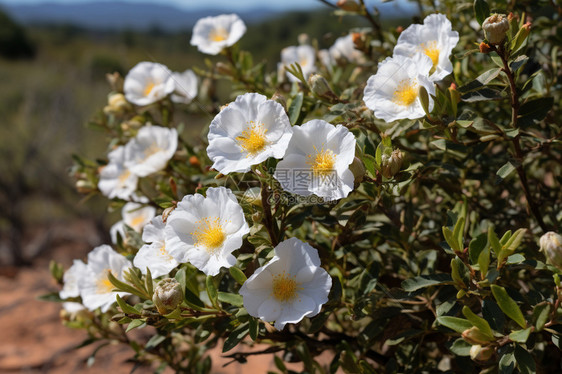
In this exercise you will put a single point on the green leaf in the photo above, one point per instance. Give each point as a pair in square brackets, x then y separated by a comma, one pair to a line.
[518, 62]
[478, 321]
[422, 281]
[507, 363]
[459, 272]
[525, 361]
[450, 239]
[237, 274]
[51, 297]
[493, 240]
[507, 305]
[482, 94]
[236, 336]
[295, 108]
[154, 341]
[254, 328]
[515, 240]
[424, 99]
[370, 162]
[230, 298]
[460, 347]
[484, 262]
[149, 285]
[212, 291]
[481, 81]
[121, 286]
[493, 314]
[454, 323]
[126, 308]
[134, 324]
[534, 111]
[520, 336]
[504, 172]
[481, 10]
[541, 312]
[476, 246]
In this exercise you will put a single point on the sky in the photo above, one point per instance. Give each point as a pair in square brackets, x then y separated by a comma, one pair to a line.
[198, 4]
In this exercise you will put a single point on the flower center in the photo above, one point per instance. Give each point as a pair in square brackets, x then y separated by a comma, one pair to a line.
[123, 177]
[252, 140]
[150, 150]
[148, 88]
[431, 50]
[163, 252]
[136, 223]
[323, 162]
[406, 92]
[103, 285]
[209, 234]
[218, 35]
[285, 287]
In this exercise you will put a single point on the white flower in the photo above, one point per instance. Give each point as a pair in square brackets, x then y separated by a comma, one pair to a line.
[115, 179]
[147, 83]
[317, 161]
[95, 288]
[212, 34]
[344, 49]
[393, 92]
[135, 216]
[186, 87]
[154, 256]
[290, 287]
[326, 58]
[71, 279]
[206, 230]
[304, 55]
[150, 150]
[248, 132]
[435, 38]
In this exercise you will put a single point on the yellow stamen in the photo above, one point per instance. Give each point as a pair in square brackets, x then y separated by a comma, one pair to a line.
[152, 149]
[406, 92]
[137, 222]
[323, 162]
[431, 50]
[103, 285]
[148, 88]
[253, 140]
[285, 287]
[164, 252]
[209, 234]
[218, 35]
[123, 177]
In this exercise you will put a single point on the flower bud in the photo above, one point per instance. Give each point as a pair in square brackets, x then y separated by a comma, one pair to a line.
[84, 186]
[115, 80]
[475, 336]
[280, 99]
[167, 295]
[357, 167]
[495, 28]
[320, 87]
[116, 103]
[485, 48]
[348, 5]
[304, 39]
[253, 196]
[359, 40]
[479, 353]
[194, 161]
[391, 163]
[551, 245]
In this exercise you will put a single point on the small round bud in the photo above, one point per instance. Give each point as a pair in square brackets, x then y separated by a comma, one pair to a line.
[495, 28]
[551, 245]
[479, 353]
[485, 48]
[348, 5]
[391, 163]
[475, 336]
[253, 196]
[115, 80]
[320, 87]
[399, 29]
[304, 39]
[116, 103]
[359, 40]
[194, 161]
[84, 186]
[167, 295]
[357, 167]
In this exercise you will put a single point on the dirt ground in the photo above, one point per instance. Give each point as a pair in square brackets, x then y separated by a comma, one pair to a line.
[32, 338]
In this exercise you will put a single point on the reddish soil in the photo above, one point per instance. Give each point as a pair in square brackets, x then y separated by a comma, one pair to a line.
[33, 340]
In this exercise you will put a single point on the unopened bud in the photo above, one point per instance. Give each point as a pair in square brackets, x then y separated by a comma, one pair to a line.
[357, 167]
[348, 5]
[359, 40]
[551, 245]
[399, 29]
[475, 336]
[304, 39]
[257, 217]
[115, 80]
[510, 16]
[485, 48]
[391, 163]
[194, 161]
[495, 28]
[84, 186]
[320, 87]
[116, 103]
[223, 68]
[280, 99]
[167, 295]
[253, 196]
[479, 353]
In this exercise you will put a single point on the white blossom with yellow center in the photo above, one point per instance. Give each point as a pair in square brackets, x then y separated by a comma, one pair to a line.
[304, 55]
[317, 161]
[206, 230]
[116, 180]
[147, 83]
[70, 287]
[247, 132]
[212, 34]
[291, 286]
[154, 255]
[136, 216]
[393, 92]
[95, 288]
[435, 38]
[150, 151]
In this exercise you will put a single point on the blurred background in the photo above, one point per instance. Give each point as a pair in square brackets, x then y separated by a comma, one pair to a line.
[54, 56]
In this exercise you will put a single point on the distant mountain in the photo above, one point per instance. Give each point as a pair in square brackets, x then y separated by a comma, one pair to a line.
[116, 15]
